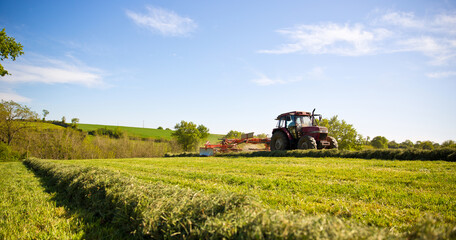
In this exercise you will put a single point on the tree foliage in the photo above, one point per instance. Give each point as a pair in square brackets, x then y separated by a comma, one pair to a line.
[8, 48]
[345, 133]
[14, 118]
[188, 135]
[379, 142]
[233, 134]
[45, 113]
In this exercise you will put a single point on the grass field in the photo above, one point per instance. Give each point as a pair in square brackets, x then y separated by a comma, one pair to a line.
[142, 132]
[27, 211]
[392, 194]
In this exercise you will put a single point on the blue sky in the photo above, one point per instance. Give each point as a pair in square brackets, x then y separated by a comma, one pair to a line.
[387, 67]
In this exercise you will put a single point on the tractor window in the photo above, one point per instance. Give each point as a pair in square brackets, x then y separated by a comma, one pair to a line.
[281, 123]
[304, 121]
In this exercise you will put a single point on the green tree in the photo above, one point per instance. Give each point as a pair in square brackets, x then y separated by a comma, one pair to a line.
[406, 144]
[8, 48]
[188, 135]
[449, 143]
[427, 145]
[262, 135]
[379, 142]
[393, 144]
[45, 113]
[14, 119]
[74, 122]
[233, 134]
[345, 133]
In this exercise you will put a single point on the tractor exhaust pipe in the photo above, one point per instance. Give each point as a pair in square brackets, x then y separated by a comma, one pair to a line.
[313, 117]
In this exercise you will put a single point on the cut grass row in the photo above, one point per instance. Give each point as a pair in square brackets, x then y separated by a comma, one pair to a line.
[391, 194]
[163, 211]
[27, 211]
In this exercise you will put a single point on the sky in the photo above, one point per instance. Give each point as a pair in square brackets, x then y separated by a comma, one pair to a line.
[386, 67]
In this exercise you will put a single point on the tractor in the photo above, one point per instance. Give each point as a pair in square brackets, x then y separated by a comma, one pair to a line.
[299, 130]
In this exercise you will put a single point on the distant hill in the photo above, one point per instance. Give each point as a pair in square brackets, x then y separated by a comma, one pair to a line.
[142, 132]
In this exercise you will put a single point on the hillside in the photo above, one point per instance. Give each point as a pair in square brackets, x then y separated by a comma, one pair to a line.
[142, 132]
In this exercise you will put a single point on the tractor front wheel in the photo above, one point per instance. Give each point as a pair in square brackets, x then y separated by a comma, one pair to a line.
[333, 143]
[307, 142]
[279, 141]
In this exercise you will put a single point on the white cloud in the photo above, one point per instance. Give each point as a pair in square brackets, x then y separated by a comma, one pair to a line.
[331, 38]
[442, 74]
[51, 71]
[264, 80]
[165, 22]
[316, 73]
[8, 96]
[406, 20]
[391, 32]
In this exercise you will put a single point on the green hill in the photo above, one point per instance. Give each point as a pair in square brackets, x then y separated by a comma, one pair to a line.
[142, 132]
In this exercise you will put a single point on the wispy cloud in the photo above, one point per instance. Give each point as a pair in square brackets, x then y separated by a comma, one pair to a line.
[263, 80]
[8, 96]
[52, 71]
[163, 21]
[391, 32]
[330, 38]
[442, 74]
[316, 73]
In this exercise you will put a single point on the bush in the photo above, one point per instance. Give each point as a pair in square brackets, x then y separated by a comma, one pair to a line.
[440, 154]
[8, 155]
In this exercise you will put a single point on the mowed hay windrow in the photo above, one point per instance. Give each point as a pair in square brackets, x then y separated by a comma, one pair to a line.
[158, 210]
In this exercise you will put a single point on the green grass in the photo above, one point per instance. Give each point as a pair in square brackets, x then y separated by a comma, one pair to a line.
[27, 211]
[143, 132]
[392, 194]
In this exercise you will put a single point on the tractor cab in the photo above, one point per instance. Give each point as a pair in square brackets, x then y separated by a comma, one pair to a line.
[299, 130]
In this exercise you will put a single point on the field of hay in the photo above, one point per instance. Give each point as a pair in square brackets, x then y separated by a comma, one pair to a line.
[261, 197]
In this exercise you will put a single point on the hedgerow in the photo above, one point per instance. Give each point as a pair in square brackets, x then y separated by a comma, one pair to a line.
[160, 211]
[441, 154]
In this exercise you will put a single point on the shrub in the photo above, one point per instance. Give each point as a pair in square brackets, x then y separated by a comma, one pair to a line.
[8, 155]
[440, 154]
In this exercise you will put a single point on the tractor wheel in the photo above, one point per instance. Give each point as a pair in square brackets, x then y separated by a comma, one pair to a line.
[279, 141]
[307, 142]
[333, 143]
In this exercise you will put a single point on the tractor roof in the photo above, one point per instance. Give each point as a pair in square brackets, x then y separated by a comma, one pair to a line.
[296, 113]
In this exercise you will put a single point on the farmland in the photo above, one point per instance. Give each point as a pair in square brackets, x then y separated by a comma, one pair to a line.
[27, 211]
[393, 195]
[142, 132]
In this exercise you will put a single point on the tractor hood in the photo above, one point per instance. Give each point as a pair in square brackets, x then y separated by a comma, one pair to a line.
[313, 130]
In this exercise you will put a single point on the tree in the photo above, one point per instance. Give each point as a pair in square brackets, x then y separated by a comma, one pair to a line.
[75, 122]
[233, 134]
[63, 119]
[406, 144]
[345, 133]
[262, 135]
[8, 48]
[45, 113]
[379, 142]
[427, 145]
[188, 135]
[393, 144]
[449, 143]
[14, 118]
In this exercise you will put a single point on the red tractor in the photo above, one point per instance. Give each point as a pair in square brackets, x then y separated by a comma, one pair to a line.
[299, 130]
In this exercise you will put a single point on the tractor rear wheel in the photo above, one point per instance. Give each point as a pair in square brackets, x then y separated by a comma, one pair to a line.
[333, 143]
[307, 142]
[279, 141]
